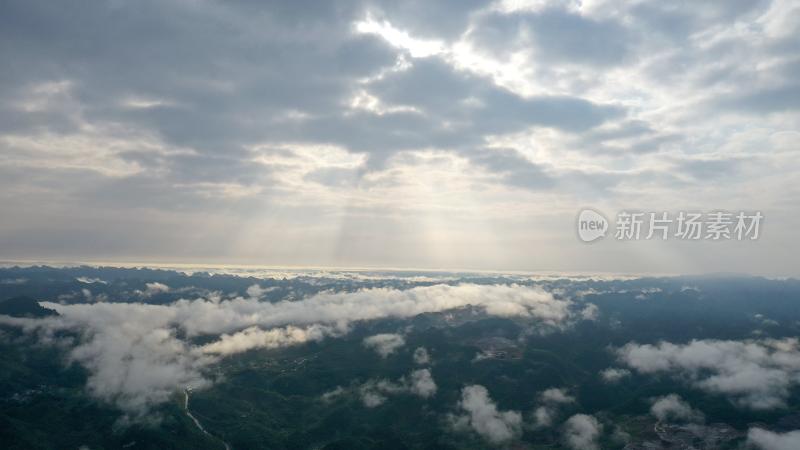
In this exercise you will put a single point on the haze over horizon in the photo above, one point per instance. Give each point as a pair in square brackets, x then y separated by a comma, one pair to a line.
[260, 270]
[366, 134]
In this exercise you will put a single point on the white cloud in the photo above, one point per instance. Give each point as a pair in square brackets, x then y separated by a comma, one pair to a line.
[156, 288]
[332, 394]
[152, 289]
[581, 432]
[131, 351]
[137, 354]
[543, 416]
[422, 383]
[419, 382]
[754, 374]
[254, 337]
[552, 399]
[385, 344]
[372, 399]
[590, 312]
[673, 407]
[556, 395]
[199, 317]
[770, 440]
[88, 280]
[421, 356]
[417, 48]
[256, 291]
[484, 417]
[613, 375]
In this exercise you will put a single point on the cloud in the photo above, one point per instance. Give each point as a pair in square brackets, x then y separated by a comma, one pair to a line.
[179, 150]
[770, 440]
[88, 280]
[557, 35]
[256, 291]
[512, 168]
[581, 432]
[384, 344]
[254, 338]
[673, 407]
[207, 316]
[132, 353]
[422, 383]
[138, 354]
[590, 312]
[754, 374]
[372, 399]
[543, 416]
[155, 288]
[556, 395]
[446, 18]
[419, 382]
[553, 399]
[332, 394]
[484, 417]
[421, 356]
[613, 375]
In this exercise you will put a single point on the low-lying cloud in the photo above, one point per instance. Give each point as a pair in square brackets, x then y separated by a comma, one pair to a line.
[131, 351]
[754, 374]
[551, 401]
[139, 354]
[385, 344]
[672, 407]
[581, 432]
[421, 356]
[419, 382]
[613, 375]
[254, 337]
[484, 418]
[769, 440]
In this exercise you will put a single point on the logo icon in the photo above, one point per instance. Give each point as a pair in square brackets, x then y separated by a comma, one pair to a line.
[591, 225]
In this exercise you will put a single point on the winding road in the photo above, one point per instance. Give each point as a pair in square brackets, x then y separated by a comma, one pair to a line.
[197, 422]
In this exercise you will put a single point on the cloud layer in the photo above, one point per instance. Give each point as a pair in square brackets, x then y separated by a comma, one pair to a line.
[770, 440]
[384, 344]
[754, 374]
[419, 382]
[673, 407]
[483, 416]
[140, 354]
[581, 432]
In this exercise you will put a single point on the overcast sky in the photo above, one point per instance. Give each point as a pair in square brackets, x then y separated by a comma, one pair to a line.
[455, 134]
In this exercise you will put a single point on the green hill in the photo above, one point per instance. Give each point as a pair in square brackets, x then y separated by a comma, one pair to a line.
[24, 307]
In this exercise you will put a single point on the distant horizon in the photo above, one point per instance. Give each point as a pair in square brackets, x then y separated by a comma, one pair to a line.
[199, 267]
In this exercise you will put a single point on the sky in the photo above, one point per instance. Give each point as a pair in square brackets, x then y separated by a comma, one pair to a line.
[443, 135]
